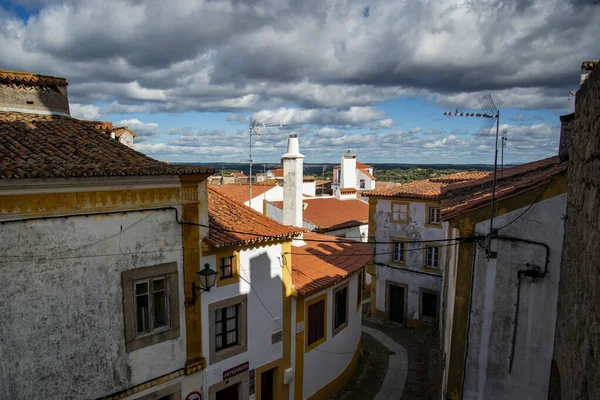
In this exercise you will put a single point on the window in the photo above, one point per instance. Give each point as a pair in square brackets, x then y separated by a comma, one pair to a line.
[340, 308]
[398, 252]
[433, 216]
[150, 305]
[225, 267]
[228, 328]
[316, 317]
[400, 212]
[362, 183]
[359, 289]
[429, 306]
[432, 257]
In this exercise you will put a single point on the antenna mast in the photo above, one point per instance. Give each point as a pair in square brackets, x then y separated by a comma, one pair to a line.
[253, 129]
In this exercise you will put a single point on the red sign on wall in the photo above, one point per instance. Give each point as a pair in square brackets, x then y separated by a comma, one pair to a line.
[236, 370]
[194, 396]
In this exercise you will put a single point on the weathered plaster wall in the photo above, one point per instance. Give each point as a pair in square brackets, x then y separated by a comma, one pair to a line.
[448, 301]
[261, 267]
[321, 364]
[578, 327]
[52, 100]
[386, 230]
[274, 194]
[358, 233]
[494, 304]
[62, 331]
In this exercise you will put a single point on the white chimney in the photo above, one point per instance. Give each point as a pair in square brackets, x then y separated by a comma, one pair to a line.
[348, 171]
[293, 170]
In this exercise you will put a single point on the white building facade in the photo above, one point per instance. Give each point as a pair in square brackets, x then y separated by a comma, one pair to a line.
[353, 174]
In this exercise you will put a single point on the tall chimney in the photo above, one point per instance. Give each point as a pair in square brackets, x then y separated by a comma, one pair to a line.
[293, 170]
[586, 69]
[348, 171]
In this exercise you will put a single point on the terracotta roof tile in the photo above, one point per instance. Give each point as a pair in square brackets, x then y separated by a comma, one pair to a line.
[367, 173]
[45, 146]
[309, 179]
[348, 191]
[329, 213]
[241, 192]
[238, 174]
[318, 265]
[15, 77]
[468, 196]
[226, 214]
[278, 173]
[359, 165]
[427, 189]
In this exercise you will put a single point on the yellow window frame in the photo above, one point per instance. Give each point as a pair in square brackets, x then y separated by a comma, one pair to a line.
[397, 239]
[308, 347]
[235, 268]
[427, 223]
[399, 220]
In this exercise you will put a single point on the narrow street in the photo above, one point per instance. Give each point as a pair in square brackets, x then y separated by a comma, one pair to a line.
[420, 346]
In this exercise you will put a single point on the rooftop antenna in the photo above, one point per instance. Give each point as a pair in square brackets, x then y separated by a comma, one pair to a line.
[570, 106]
[504, 139]
[254, 129]
[491, 115]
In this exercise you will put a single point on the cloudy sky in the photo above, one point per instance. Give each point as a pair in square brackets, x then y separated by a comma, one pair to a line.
[373, 77]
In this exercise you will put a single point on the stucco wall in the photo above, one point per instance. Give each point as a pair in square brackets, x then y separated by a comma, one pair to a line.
[578, 325]
[358, 233]
[321, 366]
[260, 266]
[274, 194]
[51, 101]
[62, 331]
[494, 299]
[410, 275]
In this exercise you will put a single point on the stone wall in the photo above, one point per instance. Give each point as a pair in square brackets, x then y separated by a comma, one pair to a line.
[577, 343]
[35, 99]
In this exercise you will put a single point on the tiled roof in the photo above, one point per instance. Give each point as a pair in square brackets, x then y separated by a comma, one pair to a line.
[427, 189]
[468, 196]
[359, 165]
[241, 192]
[309, 179]
[318, 265]
[225, 214]
[121, 130]
[348, 190]
[589, 64]
[15, 77]
[329, 213]
[238, 174]
[367, 173]
[278, 173]
[44, 146]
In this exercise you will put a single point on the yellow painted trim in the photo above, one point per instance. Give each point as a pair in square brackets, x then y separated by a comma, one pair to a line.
[341, 380]
[235, 268]
[391, 261]
[281, 391]
[317, 299]
[403, 199]
[359, 294]
[372, 219]
[299, 373]
[371, 269]
[400, 221]
[424, 266]
[288, 325]
[427, 224]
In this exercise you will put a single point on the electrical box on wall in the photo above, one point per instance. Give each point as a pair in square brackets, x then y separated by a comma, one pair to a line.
[288, 376]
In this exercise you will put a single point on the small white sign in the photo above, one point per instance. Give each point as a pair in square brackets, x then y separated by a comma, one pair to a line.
[300, 327]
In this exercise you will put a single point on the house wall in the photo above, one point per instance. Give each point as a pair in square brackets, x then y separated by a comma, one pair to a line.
[261, 267]
[274, 194]
[277, 214]
[66, 314]
[369, 183]
[321, 364]
[494, 299]
[126, 139]
[34, 99]
[448, 301]
[359, 233]
[309, 188]
[578, 325]
[412, 273]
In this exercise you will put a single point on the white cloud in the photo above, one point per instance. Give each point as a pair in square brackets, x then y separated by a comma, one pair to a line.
[87, 111]
[416, 129]
[383, 124]
[140, 128]
[338, 117]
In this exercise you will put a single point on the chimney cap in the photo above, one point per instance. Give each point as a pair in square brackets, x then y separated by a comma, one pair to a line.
[293, 149]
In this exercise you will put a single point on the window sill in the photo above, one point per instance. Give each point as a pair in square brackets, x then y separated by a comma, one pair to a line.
[430, 225]
[339, 329]
[228, 281]
[398, 264]
[151, 339]
[400, 221]
[432, 270]
[311, 346]
[229, 352]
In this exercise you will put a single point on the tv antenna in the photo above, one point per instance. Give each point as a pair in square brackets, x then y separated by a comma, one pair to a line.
[491, 115]
[254, 129]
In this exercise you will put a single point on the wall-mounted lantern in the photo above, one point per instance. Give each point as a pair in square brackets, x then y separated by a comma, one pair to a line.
[208, 278]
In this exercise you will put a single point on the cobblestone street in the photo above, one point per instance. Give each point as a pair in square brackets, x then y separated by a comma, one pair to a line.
[424, 363]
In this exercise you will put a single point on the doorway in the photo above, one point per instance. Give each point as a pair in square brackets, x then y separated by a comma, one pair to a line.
[229, 393]
[267, 379]
[397, 303]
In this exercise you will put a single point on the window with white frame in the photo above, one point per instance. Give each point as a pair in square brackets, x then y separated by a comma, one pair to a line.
[432, 257]
[228, 328]
[400, 212]
[150, 305]
[398, 251]
[362, 183]
[434, 216]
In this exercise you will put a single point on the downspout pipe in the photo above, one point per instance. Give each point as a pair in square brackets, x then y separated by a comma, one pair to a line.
[521, 240]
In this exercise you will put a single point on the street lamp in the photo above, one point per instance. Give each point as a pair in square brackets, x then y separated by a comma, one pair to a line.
[208, 278]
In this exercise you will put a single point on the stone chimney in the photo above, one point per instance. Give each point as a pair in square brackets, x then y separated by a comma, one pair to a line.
[586, 69]
[348, 171]
[34, 94]
[293, 173]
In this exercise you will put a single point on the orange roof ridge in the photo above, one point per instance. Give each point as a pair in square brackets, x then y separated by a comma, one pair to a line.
[29, 78]
[367, 173]
[329, 213]
[226, 215]
[240, 192]
[359, 165]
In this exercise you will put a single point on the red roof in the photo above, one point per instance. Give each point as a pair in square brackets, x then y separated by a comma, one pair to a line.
[427, 189]
[367, 173]
[318, 265]
[15, 77]
[241, 192]
[225, 215]
[47, 146]
[278, 173]
[468, 196]
[359, 165]
[238, 174]
[329, 213]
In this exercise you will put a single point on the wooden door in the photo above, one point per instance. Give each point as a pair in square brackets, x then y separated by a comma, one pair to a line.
[229, 393]
[266, 385]
[397, 303]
